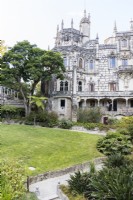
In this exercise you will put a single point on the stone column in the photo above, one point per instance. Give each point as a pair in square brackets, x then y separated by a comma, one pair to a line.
[127, 106]
[98, 102]
[74, 90]
[84, 103]
[112, 104]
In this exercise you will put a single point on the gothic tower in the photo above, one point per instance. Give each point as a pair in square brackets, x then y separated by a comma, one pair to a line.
[85, 27]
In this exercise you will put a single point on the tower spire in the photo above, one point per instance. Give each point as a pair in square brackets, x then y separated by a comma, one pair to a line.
[115, 27]
[131, 27]
[57, 29]
[72, 23]
[85, 13]
[62, 24]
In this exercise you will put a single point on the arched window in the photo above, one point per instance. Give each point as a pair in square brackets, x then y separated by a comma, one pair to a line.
[124, 43]
[80, 86]
[61, 86]
[92, 89]
[66, 86]
[80, 63]
[91, 65]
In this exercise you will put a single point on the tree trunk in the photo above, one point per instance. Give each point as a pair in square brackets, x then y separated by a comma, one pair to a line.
[24, 101]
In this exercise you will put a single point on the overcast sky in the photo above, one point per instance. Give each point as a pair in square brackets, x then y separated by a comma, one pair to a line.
[37, 20]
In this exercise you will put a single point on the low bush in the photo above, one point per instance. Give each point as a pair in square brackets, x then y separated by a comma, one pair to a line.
[65, 189]
[46, 119]
[123, 131]
[112, 183]
[12, 180]
[130, 131]
[117, 160]
[92, 115]
[65, 124]
[114, 143]
[78, 183]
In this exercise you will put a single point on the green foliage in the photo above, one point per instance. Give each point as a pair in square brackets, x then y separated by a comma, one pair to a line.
[112, 183]
[29, 196]
[26, 63]
[65, 124]
[45, 119]
[78, 183]
[92, 115]
[114, 143]
[12, 180]
[71, 196]
[8, 111]
[38, 102]
[130, 131]
[117, 160]
[123, 131]
[112, 121]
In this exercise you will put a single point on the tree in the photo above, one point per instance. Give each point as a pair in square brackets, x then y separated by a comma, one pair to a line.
[25, 65]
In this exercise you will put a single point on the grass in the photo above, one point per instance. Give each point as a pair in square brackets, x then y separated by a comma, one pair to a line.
[46, 149]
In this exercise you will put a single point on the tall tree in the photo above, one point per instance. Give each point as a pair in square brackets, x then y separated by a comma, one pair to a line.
[25, 65]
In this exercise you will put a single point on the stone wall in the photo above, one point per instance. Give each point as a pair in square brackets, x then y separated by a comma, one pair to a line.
[52, 174]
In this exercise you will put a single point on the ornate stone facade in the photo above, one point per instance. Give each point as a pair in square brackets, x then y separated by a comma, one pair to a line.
[96, 74]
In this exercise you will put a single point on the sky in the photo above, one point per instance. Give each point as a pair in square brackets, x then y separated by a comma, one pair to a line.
[37, 20]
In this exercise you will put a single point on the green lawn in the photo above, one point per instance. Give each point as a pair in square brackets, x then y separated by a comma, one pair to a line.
[46, 148]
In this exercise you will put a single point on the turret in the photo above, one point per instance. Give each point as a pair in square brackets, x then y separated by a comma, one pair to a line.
[85, 27]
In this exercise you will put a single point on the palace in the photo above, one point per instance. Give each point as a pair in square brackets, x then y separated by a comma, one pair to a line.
[97, 75]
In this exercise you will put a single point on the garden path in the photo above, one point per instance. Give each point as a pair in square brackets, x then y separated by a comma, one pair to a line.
[47, 189]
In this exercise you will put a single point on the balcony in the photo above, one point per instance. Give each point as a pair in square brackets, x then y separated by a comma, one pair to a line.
[125, 68]
[106, 94]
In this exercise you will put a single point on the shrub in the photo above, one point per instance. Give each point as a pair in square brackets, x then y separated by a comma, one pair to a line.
[92, 115]
[117, 160]
[71, 196]
[123, 131]
[112, 121]
[114, 143]
[130, 131]
[112, 183]
[8, 111]
[79, 182]
[12, 180]
[65, 124]
[46, 119]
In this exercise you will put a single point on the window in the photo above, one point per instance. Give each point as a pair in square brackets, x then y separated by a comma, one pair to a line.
[91, 87]
[124, 62]
[80, 63]
[80, 86]
[112, 62]
[65, 61]
[91, 65]
[131, 103]
[62, 103]
[124, 43]
[112, 87]
[61, 86]
[64, 86]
